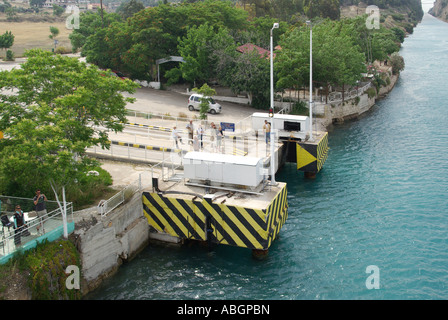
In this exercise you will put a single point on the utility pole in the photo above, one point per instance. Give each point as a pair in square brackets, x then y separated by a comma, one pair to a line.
[271, 111]
[311, 80]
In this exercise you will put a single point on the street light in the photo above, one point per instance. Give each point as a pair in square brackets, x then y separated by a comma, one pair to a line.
[311, 80]
[275, 26]
[273, 182]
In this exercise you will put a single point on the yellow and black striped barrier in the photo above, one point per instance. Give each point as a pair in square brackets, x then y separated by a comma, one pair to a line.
[217, 223]
[142, 146]
[312, 156]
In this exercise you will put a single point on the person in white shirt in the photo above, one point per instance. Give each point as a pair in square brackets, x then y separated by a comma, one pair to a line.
[176, 137]
[200, 134]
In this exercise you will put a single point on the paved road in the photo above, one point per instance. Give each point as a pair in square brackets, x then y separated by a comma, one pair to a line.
[165, 101]
[162, 101]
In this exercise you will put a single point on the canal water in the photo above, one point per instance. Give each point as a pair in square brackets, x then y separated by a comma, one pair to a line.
[380, 203]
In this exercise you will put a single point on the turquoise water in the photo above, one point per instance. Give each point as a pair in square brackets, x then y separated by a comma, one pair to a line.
[381, 200]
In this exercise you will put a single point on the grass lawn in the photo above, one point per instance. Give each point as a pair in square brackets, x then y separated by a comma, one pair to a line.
[28, 35]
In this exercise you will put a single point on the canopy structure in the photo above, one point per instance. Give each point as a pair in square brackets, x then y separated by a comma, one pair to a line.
[168, 59]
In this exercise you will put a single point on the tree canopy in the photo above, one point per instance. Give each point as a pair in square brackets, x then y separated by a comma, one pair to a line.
[51, 110]
[207, 33]
[6, 40]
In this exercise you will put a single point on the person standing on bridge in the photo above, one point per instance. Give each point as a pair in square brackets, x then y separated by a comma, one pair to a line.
[212, 135]
[267, 131]
[176, 137]
[219, 137]
[200, 134]
[20, 228]
[196, 143]
[190, 132]
[41, 210]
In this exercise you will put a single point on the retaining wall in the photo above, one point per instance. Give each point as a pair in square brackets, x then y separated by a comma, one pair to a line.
[350, 109]
[105, 242]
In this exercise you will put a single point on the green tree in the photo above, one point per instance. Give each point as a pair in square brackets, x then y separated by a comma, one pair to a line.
[6, 40]
[337, 59]
[198, 49]
[11, 14]
[111, 48]
[54, 33]
[329, 9]
[57, 10]
[58, 108]
[397, 63]
[5, 5]
[206, 93]
[249, 73]
[153, 33]
[90, 22]
[129, 8]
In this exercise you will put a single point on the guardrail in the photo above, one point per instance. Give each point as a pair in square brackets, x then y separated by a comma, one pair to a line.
[106, 206]
[152, 115]
[11, 240]
[350, 94]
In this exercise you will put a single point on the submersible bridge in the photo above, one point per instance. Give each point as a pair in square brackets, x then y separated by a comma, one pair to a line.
[233, 199]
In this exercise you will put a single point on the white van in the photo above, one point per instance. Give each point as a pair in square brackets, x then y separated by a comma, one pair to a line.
[194, 102]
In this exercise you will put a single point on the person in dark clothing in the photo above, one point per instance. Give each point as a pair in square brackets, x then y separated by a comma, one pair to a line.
[19, 226]
[41, 211]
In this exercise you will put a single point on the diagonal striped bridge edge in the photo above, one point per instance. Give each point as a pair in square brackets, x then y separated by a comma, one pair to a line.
[204, 220]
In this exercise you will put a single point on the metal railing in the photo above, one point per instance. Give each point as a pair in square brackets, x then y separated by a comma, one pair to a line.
[349, 94]
[151, 115]
[11, 239]
[8, 204]
[106, 206]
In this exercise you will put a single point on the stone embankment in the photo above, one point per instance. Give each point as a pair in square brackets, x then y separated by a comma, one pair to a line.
[336, 113]
[105, 242]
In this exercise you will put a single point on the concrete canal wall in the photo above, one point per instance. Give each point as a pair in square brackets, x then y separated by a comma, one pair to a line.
[106, 242]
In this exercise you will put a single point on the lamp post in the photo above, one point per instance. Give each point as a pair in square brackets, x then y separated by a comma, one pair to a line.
[273, 182]
[311, 80]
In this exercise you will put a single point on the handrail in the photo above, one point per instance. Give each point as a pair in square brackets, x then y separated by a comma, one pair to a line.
[337, 96]
[50, 222]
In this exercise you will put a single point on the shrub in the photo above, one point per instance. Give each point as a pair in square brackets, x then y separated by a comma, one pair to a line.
[9, 55]
[182, 115]
[371, 92]
[397, 63]
[45, 266]
[89, 187]
[397, 17]
[62, 50]
[300, 108]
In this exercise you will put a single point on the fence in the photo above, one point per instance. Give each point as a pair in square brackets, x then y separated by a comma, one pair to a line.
[8, 204]
[50, 226]
[150, 115]
[106, 206]
[349, 94]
